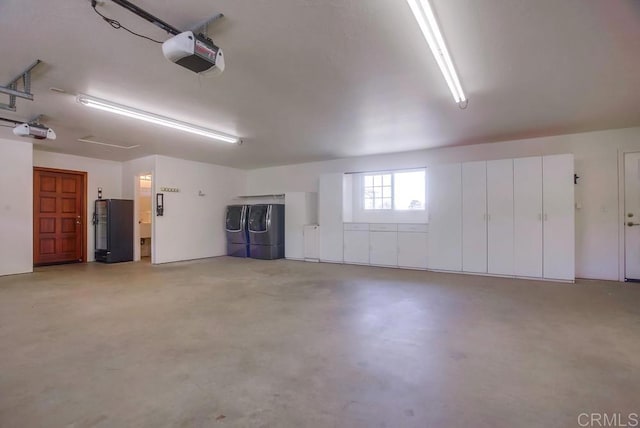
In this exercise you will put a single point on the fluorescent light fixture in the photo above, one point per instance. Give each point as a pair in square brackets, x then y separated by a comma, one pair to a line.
[122, 110]
[427, 21]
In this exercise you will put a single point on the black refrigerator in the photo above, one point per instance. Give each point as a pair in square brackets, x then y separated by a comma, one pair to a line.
[113, 220]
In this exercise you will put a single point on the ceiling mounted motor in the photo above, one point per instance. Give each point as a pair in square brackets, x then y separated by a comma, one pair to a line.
[191, 49]
[196, 53]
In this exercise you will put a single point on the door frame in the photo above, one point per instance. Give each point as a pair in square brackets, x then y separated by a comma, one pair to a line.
[83, 214]
[622, 257]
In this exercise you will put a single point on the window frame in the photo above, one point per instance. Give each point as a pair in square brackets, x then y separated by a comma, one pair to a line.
[392, 174]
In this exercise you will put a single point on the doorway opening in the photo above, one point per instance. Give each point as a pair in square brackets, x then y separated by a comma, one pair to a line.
[59, 216]
[144, 204]
[632, 217]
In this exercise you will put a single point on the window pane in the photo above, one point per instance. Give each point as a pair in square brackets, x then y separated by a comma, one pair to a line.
[378, 204]
[378, 192]
[368, 180]
[386, 179]
[377, 180]
[368, 193]
[368, 204]
[386, 203]
[386, 192]
[409, 190]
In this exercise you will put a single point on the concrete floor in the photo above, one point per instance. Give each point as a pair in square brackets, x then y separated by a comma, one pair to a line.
[248, 343]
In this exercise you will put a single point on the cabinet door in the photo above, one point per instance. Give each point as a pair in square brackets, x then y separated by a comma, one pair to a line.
[445, 217]
[500, 216]
[527, 216]
[383, 248]
[474, 217]
[559, 217]
[356, 246]
[311, 241]
[330, 217]
[412, 250]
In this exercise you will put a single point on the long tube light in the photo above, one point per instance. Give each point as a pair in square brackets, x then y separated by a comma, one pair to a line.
[145, 116]
[427, 21]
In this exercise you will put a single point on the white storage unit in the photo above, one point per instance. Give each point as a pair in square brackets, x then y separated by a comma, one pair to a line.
[330, 217]
[474, 217]
[356, 243]
[312, 242]
[445, 217]
[300, 210]
[527, 214]
[500, 217]
[383, 244]
[558, 217]
[412, 246]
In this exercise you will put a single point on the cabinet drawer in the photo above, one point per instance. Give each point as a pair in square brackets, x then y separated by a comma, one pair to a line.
[383, 227]
[413, 228]
[356, 226]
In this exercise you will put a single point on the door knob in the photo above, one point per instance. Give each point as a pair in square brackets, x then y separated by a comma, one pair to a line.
[631, 224]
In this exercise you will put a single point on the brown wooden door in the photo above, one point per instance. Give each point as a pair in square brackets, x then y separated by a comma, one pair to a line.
[59, 216]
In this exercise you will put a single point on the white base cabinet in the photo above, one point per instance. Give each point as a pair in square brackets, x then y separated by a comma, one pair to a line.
[356, 243]
[383, 241]
[387, 245]
[412, 246]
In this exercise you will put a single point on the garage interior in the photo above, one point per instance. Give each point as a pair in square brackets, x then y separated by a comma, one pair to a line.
[459, 189]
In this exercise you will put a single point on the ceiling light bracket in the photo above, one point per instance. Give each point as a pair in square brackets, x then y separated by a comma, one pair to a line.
[12, 90]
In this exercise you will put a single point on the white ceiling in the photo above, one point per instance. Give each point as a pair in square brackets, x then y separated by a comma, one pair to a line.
[310, 80]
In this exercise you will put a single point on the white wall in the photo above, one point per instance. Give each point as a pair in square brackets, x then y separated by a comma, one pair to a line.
[16, 207]
[596, 162]
[193, 226]
[100, 173]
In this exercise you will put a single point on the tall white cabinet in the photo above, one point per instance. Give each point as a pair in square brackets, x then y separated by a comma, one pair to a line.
[527, 215]
[330, 217]
[474, 217]
[558, 217]
[509, 217]
[445, 217]
[500, 217]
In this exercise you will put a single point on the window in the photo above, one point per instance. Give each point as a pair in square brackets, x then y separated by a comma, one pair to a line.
[378, 192]
[400, 190]
[409, 190]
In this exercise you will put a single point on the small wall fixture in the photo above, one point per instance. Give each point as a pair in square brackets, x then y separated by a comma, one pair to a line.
[145, 116]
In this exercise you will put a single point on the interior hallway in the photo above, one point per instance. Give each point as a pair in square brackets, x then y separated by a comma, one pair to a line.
[247, 343]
